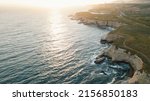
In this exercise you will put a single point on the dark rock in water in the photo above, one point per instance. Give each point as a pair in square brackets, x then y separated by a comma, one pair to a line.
[104, 41]
[99, 60]
[99, 56]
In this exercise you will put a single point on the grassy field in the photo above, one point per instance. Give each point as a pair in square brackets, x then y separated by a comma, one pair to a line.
[91, 16]
[136, 32]
[135, 29]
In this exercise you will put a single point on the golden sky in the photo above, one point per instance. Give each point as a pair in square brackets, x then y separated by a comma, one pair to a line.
[51, 3]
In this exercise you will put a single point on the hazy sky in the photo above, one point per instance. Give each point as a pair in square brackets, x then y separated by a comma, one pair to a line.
[133, 1]
[53, 3]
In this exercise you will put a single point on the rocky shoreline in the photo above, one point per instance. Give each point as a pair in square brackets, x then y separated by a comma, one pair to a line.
[117, 54]
[121, 55]
[100, 24]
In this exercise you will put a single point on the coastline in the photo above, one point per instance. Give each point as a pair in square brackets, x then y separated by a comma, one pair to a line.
[117, 54]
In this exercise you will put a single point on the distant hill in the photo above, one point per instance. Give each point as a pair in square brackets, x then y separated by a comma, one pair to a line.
[132, 1]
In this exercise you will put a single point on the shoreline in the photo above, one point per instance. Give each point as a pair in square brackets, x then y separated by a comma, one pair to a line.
[117, 54]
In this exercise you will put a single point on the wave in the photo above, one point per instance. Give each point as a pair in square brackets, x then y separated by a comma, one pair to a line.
[43, 50]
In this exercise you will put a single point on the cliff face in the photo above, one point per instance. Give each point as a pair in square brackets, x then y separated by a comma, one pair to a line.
[117, 54]
[99, 23]
[108, 23]
[110, 38]
[120, 55]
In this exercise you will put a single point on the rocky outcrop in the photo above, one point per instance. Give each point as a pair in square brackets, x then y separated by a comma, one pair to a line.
[121, 55]
[99, 59]
[108, 23]
[110, 38]
[117, 54]
[88, 22]
[99, 23]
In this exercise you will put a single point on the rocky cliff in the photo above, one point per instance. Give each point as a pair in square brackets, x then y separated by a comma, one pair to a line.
[121, 55]
[117, 54]
[99, 23]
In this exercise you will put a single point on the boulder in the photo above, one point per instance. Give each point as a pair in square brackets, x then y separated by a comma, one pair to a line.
[99, 60]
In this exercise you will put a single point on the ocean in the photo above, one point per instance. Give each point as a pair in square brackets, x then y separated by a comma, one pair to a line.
[46, 47]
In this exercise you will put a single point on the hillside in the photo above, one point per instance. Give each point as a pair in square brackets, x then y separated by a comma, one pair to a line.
[135, 28]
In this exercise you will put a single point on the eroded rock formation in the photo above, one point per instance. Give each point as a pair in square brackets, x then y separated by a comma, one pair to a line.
[117, 54]
[99, 23]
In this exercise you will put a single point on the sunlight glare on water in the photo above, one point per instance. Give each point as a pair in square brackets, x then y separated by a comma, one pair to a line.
[48, 47]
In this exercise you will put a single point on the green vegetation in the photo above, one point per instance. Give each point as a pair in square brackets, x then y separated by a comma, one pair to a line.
[136, 33]
[91, 16]
[135, 28]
